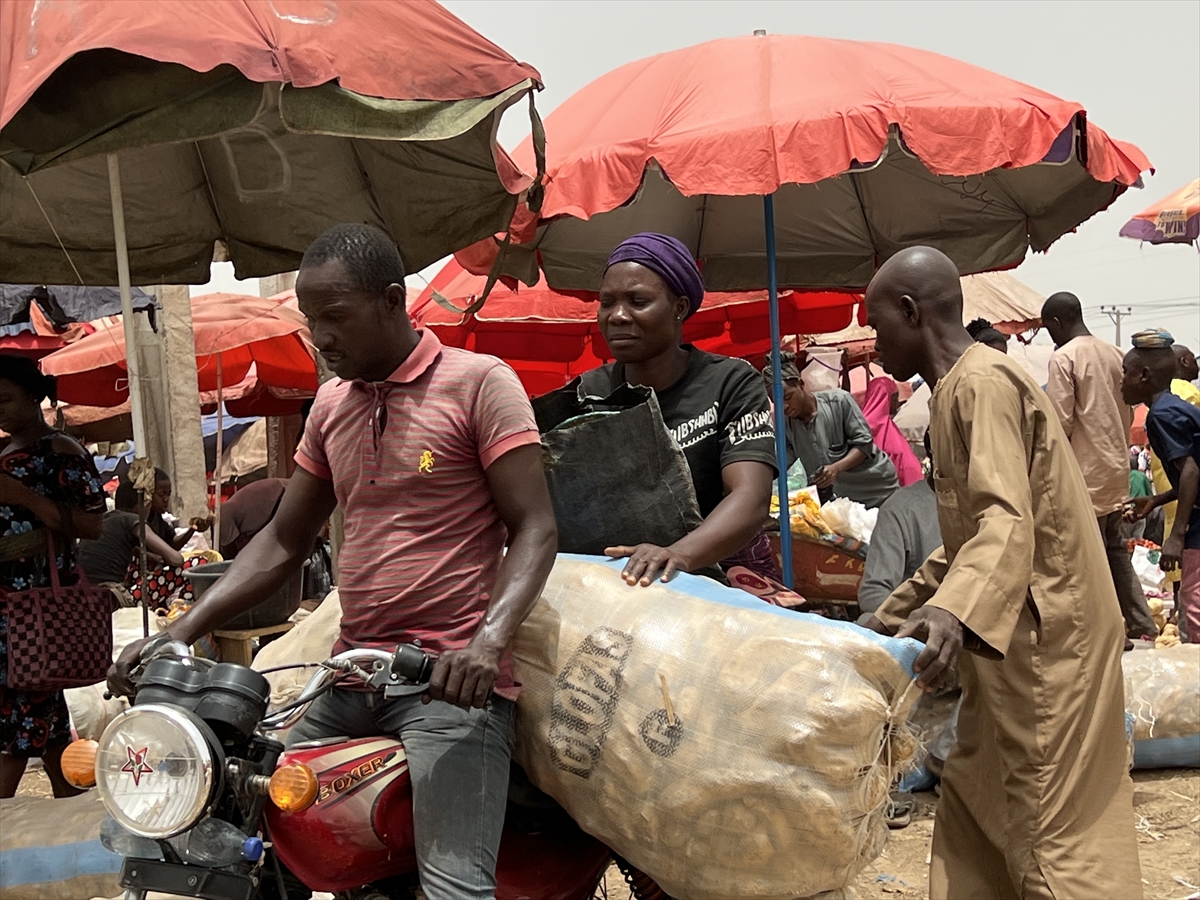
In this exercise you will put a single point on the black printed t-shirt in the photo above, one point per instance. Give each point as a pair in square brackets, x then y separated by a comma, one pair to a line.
[718, 412]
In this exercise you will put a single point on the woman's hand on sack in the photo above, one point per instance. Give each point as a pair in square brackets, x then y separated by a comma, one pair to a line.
[120, 682]
[464, 677]
[646, 561]
[942, 634]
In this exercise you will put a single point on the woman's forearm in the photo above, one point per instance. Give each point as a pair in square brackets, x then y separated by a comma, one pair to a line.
[729, 528]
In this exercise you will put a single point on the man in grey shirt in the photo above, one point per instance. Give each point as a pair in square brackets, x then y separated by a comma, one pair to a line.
[827, 431]
[905, 534]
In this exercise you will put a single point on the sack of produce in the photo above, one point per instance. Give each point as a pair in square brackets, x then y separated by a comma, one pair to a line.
[50, 849]
[311, 641]
[728, 748]
[1161, 697]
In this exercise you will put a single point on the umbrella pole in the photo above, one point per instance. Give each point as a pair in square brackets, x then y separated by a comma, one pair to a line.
[138, 474]
[131, 358]
[216, 526]
[785, 519]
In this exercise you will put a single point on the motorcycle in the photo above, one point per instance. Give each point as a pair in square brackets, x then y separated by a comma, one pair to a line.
[203, 802]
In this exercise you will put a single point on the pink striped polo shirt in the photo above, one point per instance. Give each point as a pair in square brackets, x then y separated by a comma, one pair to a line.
[407, 457]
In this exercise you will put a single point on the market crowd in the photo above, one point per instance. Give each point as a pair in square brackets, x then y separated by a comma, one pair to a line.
[1002, 540]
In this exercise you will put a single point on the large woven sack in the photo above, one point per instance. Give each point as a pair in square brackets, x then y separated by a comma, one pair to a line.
[51, 850]
[1162, 699]
[728, 748]
[311, 641]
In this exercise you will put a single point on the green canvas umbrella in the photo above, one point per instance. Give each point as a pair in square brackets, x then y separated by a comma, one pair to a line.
[140, 141]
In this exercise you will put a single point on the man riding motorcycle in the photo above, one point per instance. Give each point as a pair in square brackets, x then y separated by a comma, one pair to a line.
[433, 455]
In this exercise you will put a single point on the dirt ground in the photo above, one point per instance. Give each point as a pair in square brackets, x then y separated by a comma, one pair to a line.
[1166, 802]
[1167, 806]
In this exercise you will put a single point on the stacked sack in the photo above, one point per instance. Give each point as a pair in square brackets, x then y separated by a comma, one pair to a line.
[1163, 704]
[727, 748]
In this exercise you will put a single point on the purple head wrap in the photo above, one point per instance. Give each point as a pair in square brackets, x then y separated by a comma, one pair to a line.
[667, 257]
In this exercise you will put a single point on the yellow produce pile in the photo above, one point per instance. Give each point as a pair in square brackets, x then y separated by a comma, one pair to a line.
[804, 514]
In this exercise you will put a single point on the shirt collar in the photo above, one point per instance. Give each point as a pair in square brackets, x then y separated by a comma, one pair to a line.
[428, 349]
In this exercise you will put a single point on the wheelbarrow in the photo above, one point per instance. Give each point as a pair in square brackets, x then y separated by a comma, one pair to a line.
[826, 574]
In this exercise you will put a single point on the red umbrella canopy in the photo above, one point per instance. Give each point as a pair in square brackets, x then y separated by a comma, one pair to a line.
[868, 147]
[237, 330]
[414, 50]
[549, 337]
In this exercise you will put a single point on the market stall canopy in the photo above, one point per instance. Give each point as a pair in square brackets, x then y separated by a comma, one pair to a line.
[1172, 220]
[239, 330]
[248, 125]
[867, 148]
[63, 304]
[549, 337]
[37, 319]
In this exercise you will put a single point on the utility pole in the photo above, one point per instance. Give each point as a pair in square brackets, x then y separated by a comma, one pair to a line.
[1116, 313]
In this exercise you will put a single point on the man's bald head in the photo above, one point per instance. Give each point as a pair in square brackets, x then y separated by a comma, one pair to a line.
[914, 302]
[927, 275]
[1186, 362]
[1062, 316]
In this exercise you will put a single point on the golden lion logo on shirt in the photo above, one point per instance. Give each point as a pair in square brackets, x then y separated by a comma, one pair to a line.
[425, 466]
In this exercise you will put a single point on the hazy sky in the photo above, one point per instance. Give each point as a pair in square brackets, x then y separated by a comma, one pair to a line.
[1135, 67]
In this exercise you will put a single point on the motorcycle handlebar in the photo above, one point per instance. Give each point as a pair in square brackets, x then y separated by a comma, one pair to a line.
[412, 664]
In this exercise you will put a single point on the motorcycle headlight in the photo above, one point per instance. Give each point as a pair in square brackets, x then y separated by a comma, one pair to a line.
[156, 770]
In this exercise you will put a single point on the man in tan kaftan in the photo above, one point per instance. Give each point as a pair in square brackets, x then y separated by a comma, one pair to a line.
[1037, 800]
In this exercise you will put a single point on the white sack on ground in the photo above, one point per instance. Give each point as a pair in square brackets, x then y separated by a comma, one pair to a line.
[1149, 574]
[311, 641]
[728, 748]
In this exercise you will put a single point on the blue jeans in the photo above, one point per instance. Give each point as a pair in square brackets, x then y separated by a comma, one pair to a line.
[458, 761]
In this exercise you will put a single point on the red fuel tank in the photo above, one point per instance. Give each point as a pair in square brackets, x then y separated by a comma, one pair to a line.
[360, 830]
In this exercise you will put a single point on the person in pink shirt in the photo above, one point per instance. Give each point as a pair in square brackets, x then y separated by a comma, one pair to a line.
[879, 406]
[434, 457]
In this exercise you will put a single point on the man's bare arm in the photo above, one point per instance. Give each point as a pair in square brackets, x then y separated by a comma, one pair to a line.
[259, 570]
[267, 561]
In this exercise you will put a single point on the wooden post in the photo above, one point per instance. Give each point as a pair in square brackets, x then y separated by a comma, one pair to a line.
[185, 463]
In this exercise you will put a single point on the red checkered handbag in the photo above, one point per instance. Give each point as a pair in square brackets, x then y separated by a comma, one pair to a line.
[58, 637]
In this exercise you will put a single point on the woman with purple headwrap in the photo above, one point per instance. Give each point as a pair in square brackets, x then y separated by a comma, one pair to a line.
[714, 406]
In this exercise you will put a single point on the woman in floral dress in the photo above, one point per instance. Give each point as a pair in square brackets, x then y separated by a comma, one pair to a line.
[47, 481]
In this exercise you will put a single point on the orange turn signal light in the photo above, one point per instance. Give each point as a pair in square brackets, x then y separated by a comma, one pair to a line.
[79, 764]
[293, 787]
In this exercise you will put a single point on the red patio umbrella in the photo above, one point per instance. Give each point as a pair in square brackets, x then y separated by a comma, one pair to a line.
[231, 333]
[805, 162]
[549, 337]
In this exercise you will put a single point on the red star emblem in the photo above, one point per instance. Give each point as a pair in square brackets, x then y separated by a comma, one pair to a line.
[136, 764]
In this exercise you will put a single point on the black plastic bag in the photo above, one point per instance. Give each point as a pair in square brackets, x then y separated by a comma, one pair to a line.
[616, 475]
